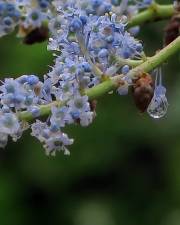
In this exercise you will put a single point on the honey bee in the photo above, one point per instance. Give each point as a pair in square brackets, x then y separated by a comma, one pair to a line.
[143, 91]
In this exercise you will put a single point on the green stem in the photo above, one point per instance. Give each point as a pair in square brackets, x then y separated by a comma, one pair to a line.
[147, 66]
[158, 59]
[44, 111]
[130, 62]
[153, 13]
[111, 84]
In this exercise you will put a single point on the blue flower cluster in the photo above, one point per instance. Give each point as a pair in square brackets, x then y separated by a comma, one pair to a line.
[9, 17]
[88, 35]
[27, 14]
[30, 14]
[28, 93]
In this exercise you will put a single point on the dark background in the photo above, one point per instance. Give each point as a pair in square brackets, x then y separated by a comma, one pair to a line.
[123, 169]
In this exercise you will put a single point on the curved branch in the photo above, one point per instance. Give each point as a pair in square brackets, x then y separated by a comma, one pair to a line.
[119, 62]
[154, 13]
[111, 84]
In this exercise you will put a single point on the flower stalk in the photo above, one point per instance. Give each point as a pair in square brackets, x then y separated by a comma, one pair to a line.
[154, 13]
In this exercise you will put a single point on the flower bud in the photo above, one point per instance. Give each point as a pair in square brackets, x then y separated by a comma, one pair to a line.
[143, 90]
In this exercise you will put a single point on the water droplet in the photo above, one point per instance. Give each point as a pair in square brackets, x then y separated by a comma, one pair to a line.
[158, 106]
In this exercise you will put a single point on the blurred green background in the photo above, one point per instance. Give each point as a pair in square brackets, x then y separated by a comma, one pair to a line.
[123, 170]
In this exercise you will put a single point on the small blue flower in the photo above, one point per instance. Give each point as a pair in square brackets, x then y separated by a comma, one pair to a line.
[32, 80]
[35, 110]
[8, 21]
[125, 69]
[75, 25]
[83, 19]
[9, 123]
